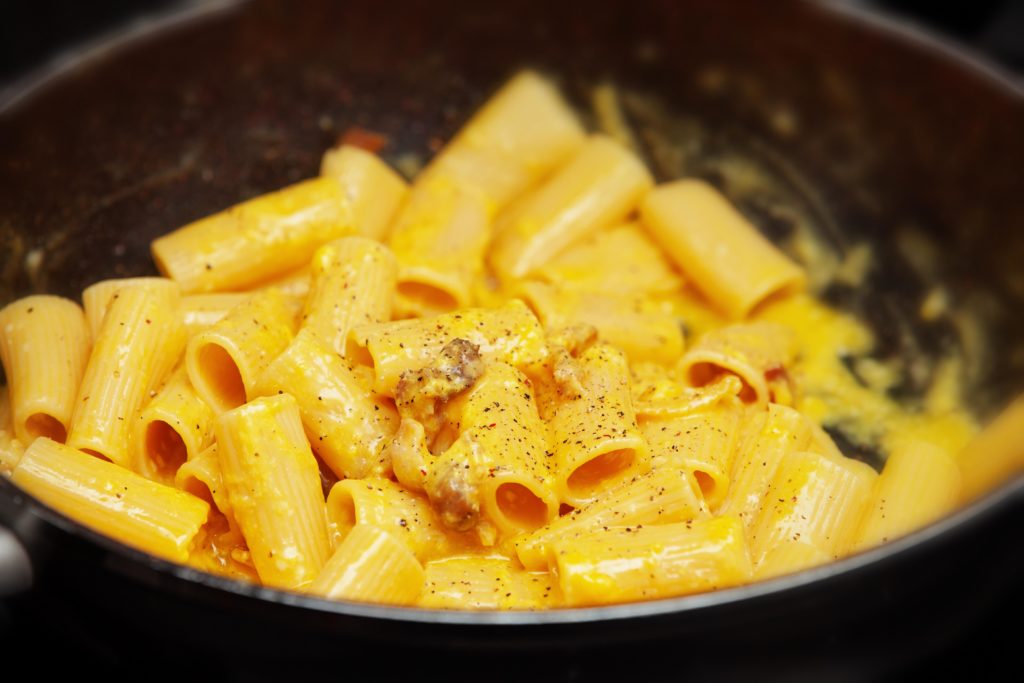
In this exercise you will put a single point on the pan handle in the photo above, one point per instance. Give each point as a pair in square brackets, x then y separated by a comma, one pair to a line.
[15, 565]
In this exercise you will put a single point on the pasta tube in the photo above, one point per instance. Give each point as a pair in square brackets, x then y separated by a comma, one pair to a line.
[202, 311]
[174, 427]
[96, 299]
[701, 444]
[257, 240]
[486, 582]
[523, 133]
[10, 448]
[439, 243]
[138, 344]
[144, 514]
[659, 395]
[293, 285]
[225, 361]
[641, 563]
[347, 427]
[598, 187]
[44, 347]
[375, 191]
[273, 485]
[918, 484]
[594, 435]
[382, 503]
[619, 260]
[787, 557]
[995, 455]
[202, 477]
[510, 334]
[758, 354]
[371, 565]
[499, 467]
[732, 264]
[816, 499]
[352, 284]
[783, 431]
[634, 324]
[659, 497]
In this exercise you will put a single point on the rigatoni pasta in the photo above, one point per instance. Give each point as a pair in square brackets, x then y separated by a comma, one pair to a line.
[533, 379]
[441, 235]
[174, 427]
[353, 283]
[109, 498]
[140, 340]
[268, 236]
[347, 427]
[44, 346]
[595, 441]
[728, 259]
[596, 188]
[373, 566]
[274, 489]
[225, 360]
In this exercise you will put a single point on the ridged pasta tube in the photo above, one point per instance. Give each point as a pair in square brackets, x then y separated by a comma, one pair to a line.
[353, 281]
[919, 484]
[702, 444]
[259, 239]
[175, 426]
[374, 190]
[594, 436]
[371, 565]
[645, 562]
[140, 341]
[144, 514]
[382, 503]
[347, 427]
[499, 468]
[225, 360]
[510, 334]
[732, 263]
[659, 497]
[757, 353]
[44, 346]
[816, 499]
[598, 187]
[273, 484]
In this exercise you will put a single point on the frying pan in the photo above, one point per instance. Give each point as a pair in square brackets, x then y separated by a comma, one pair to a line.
[864, 131]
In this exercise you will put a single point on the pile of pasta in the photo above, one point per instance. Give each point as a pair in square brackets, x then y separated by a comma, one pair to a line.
[531, 379]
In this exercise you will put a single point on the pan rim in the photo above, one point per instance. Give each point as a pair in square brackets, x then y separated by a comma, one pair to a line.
[921, 541]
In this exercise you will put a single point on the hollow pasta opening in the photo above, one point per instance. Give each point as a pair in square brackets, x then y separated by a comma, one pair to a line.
[342, 510]
[221, 376]
[521, 506]
[600, 471]
[706, 483]
[702, 374]
[427, 297]
[165, 448]
[198, 488]
[357, 354]
[96, 454]
[41, 424]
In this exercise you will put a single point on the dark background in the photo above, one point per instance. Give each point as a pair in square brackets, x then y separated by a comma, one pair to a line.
[33, 33]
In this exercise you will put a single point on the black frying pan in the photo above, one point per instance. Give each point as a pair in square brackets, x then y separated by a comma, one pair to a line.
[870, 131]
